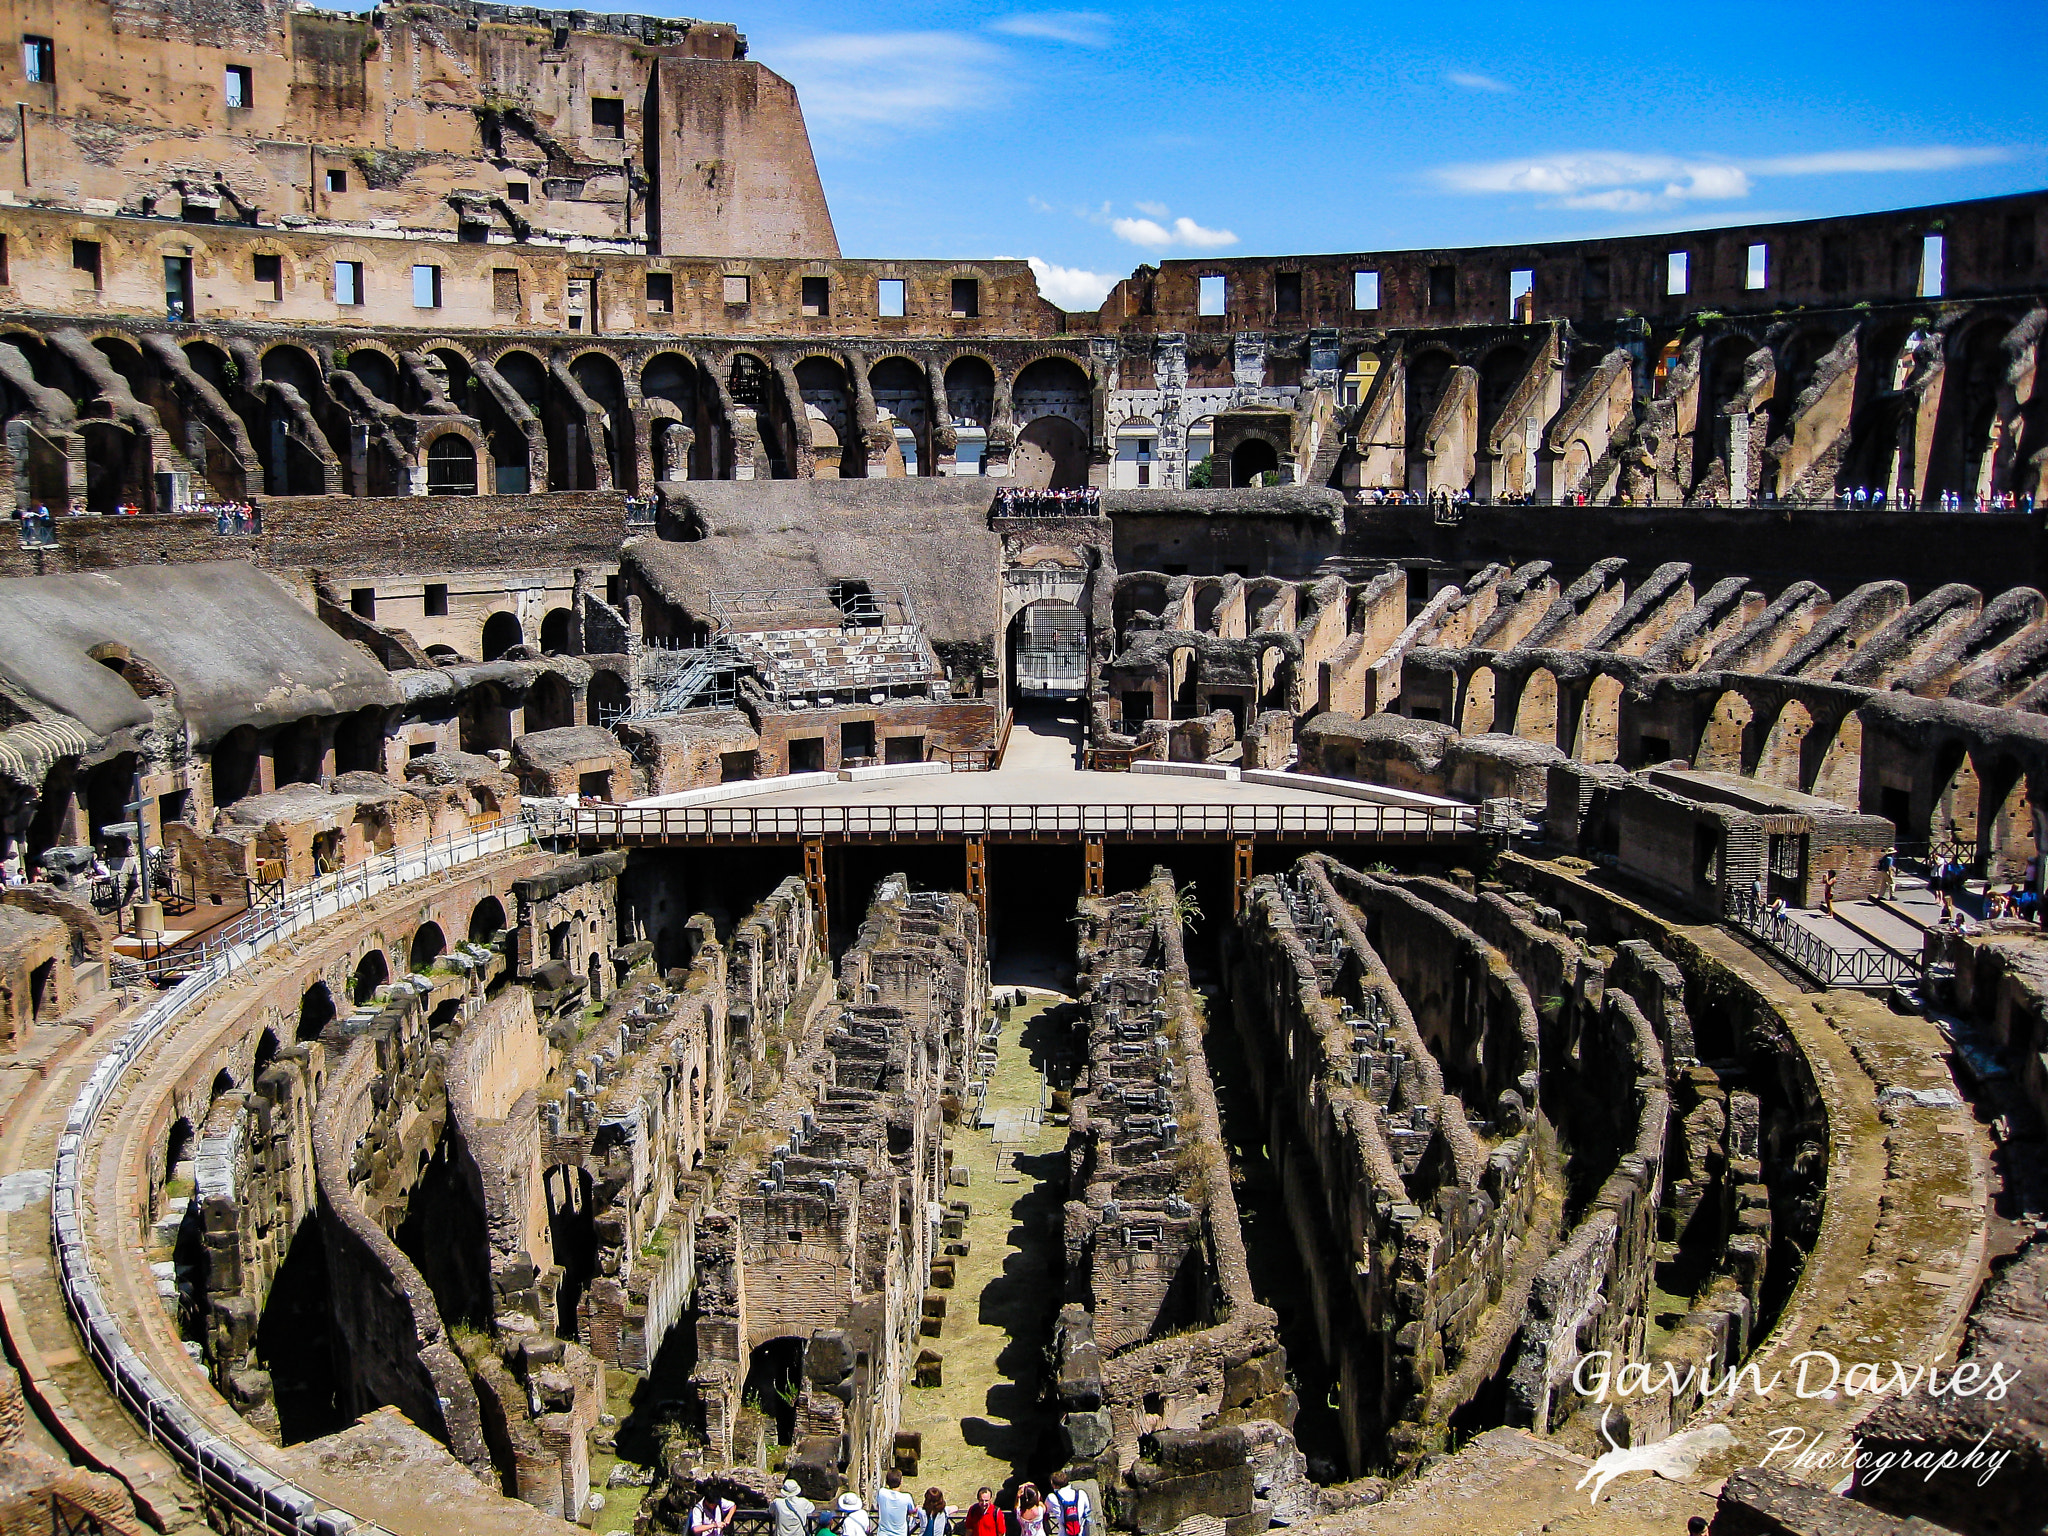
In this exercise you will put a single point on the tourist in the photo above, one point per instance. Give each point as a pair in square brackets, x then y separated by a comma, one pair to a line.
[934, 1513]
[853, 1520]
[792, 1511]
[1888, 874]
[10, 874]
[712, 1514]
[893, 1506]
[1071, 1507]
[1948, 910]
[1827, 893]
[1030, 1511]
[1780, 918]
[983, 1518]
[1696, 1526]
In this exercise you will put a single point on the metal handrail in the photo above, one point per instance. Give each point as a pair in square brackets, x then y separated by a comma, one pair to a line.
[749, 822]
[1807, 951]
[258, 925]
[225, 1473]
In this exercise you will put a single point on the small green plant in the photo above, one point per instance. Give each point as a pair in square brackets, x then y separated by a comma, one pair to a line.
[1381, 868]
[341, 357]
[1186, 907]
[1202, 475]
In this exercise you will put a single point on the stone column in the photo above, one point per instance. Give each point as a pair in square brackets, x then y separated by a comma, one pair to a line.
[1002, 432]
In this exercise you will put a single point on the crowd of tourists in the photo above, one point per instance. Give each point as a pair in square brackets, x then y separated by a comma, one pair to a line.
[1061, 1510]
[230, 516]
[1081, 501]
[641, 509]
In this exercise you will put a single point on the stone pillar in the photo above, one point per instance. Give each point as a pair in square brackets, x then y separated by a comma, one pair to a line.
[945, 446]
[1002, 432]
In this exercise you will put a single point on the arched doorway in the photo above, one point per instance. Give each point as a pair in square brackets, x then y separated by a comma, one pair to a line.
[428, 944]
[316, 1012]
[487, 921]
[1252, 458]
[501, 634]
[1047, 648]
[451, 466]
[371, 973]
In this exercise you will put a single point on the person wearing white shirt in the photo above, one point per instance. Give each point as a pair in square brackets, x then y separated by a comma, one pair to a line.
[893, 1507]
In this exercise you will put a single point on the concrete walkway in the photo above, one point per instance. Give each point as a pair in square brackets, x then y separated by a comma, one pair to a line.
[983, 1424]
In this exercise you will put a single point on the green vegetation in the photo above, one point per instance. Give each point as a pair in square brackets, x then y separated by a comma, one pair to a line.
[1203, 475]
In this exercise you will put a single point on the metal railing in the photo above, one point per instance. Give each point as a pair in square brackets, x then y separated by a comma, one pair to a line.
[1867, 967]
[237, 940]
[749, 823]
[235, 1485]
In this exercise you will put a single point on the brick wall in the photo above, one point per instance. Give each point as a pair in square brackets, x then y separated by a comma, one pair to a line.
[358, 534]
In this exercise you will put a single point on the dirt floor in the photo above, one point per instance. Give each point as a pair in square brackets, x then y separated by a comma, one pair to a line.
[983, 1426]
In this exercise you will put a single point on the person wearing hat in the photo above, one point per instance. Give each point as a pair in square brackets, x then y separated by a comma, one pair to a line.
[792, 1510]
[853, 1520]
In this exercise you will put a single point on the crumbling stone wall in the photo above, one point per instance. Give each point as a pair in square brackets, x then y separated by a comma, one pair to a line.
[1435, 1211]
[1171, 1378]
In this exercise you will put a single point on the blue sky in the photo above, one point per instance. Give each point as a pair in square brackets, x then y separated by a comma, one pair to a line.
[1091, 140]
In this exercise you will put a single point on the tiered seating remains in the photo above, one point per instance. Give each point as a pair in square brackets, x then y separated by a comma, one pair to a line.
[830, 665]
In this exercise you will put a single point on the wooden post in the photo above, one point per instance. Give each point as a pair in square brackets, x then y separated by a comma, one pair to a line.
[814, 882]
[1241, 874]
[1092, 879]
[977, 877]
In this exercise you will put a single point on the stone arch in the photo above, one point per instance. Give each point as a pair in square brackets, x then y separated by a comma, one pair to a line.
[371, 972]
[286, 362]
[486, 920]
[971, 390]
[1053, 385]
[550, 704]
[1475, 711]
[1781, 760]
[316, 1012]
[1959, 800]
[826, 386]
[428, 945]
[501, 633]
[1834, 762]
[555, 627]
[902, 395]
[1253, 457]
[1537, 710]
[671, 378]
[376, 370]
[1598, 737]
[2006, 821]
[598, 375]
[1722, 742]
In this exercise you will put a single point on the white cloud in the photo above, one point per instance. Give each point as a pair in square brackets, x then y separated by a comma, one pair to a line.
[1084, 29]
[1471, 82]
[870, 80]
[1627, 181]
[1157, 236]
[1141, 232]
[1187, 232]
[1071, 288]
[1157, 210]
